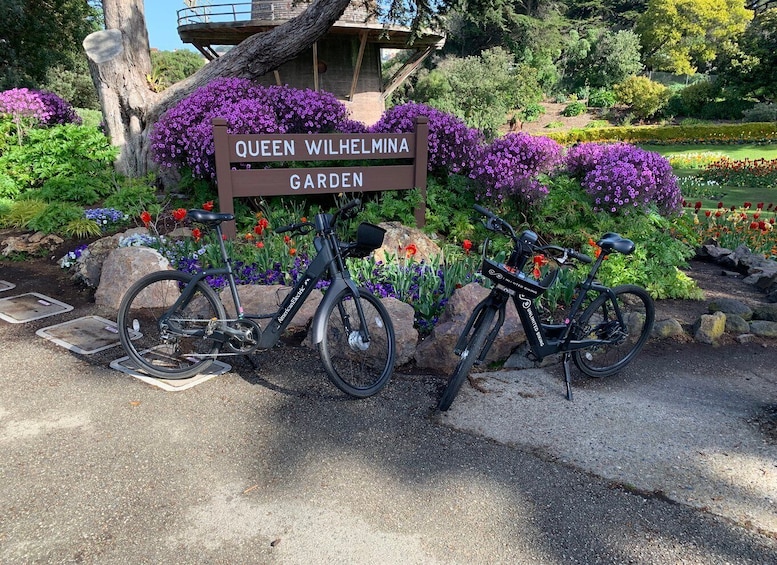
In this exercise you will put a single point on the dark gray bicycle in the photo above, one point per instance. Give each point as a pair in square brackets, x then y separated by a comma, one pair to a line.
[603, 331]
[185, 327]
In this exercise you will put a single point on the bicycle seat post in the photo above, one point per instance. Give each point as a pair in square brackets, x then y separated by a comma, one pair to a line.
[230, 273]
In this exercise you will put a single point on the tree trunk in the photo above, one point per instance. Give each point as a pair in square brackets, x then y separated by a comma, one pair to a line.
[119, 61]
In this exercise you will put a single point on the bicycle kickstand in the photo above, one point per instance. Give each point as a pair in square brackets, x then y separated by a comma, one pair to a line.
[567, 375]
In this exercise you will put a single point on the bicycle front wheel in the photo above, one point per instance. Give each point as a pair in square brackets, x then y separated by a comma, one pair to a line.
[623, 341]
[174, 343]
[358, 359]
[470, 354]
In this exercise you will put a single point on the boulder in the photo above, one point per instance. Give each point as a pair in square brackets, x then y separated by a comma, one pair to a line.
[765, 312]
[730, 306]
[402, 317]
[31, 243]
[667, 328]
[709, 328]
[399, 237]
[436, 352]
[122, 268]
[763, 328]
[736, 324]
[88, 267]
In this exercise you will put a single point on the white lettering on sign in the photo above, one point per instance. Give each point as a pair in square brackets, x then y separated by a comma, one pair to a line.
[358, 146]
[337, 181]
[265, 148]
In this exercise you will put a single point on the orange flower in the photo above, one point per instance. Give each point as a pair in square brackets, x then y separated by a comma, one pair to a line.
[260, 244]
[411, 250]
[208, 206]
[179, 214]
[145, 217]
[249, 236]
[292, 251]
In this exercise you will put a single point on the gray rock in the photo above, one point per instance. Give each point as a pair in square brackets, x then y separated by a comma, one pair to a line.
[731, 306]
[667, 328]
[736, 324]
[402, 317]
[88, 267]
[399, 237]
[31, 243]
[122, 268]
[763, 328]
[709, 328]
[765, 312]
[265, 299]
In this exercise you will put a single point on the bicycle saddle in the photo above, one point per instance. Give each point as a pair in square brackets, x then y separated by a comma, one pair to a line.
[613, 242]
[205, 217]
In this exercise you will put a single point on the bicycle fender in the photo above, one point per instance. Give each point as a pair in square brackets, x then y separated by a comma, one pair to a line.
[318, 326]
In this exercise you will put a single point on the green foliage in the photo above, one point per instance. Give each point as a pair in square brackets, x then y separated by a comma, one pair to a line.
[66, 151]
[449, 204]
[761, 112]
[601, 98]
[696, 95]
[749, 64]
[479, 89]
[81, 228]
[73, 83]
[531, 112]
[600, 58]
[54, 217]
[694, 133]
[392, 206]
[84, 189]
[169, 67]
[38, 37]
[681, 36]
[89, 117]
[21, 212]
[133, 196]
[643, 96]
[574, 109]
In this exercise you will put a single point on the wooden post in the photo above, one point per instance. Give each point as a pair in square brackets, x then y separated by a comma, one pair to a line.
[224, 174]
[421, 162]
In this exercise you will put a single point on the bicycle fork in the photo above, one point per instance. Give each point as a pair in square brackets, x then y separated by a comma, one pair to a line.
[475, 320]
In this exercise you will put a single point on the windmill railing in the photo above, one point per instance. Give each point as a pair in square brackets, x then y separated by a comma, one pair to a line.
[205, 12]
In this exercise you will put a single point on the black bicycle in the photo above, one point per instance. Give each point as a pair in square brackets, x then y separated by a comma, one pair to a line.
[602, 332]
[185, 327]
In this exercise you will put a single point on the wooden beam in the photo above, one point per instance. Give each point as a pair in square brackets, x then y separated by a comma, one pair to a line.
[315, 66]
[407, 69]
[358, 67]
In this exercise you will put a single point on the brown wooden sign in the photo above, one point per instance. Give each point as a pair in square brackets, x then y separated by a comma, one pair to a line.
[236, 177]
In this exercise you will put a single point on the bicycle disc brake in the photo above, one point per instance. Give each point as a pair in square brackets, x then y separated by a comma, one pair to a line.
[248, 339]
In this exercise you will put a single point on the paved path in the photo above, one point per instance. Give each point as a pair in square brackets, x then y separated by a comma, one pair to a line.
[274, 466]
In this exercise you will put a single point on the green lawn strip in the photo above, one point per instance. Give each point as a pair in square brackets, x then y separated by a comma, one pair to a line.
[733, 151]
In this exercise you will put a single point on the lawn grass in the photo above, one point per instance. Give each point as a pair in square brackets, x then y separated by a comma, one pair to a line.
[734, 151]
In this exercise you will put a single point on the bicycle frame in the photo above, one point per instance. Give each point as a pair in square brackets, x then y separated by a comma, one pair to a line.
[327, 260]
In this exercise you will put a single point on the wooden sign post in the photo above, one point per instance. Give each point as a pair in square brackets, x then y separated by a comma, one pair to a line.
[236, 177]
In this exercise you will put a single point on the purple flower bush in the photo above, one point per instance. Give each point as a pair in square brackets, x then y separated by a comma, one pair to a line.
[452, 145]
[46, 108]
[621, 178]
[510, 167]
[183, 136]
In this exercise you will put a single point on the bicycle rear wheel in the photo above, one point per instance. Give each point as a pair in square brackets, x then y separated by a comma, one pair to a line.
[175, 348]
[358, 368]
[471, 352]
[599, 321]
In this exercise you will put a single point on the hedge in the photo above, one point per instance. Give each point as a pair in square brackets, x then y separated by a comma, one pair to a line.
[720, 133]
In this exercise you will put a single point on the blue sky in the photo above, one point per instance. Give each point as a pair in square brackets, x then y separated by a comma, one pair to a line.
[162, 24]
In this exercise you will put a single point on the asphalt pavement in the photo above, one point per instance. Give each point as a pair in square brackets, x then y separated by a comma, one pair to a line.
[271, 464]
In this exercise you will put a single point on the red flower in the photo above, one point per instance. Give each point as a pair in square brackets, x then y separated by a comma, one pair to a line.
[208, 206]
[179, 214]
[747, 205]
[720, 205]
[467, 245]
[697, 205]
[411, 250]
[260, 244]
[753, 225]
[539, 261]
[258, 229]
[145, 217]
[286, 239]
[708, 213]
[197, 234]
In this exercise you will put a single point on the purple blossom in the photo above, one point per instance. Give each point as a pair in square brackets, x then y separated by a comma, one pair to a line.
[46, 108]
[511, 165]
[453, 146]
[183, 136]
[621, 178]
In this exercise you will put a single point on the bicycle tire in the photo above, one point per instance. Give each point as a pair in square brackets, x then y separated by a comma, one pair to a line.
[598, 321]
[468, 358]
[168, 355]
[356, 368]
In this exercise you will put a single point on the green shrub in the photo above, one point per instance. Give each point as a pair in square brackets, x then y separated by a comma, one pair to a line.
[82, 189]
[643, 96]
[726, 109]
[554, 124]
[695, 96]
[133, 196]
[761, 112]
[22, 211]
[60, 151]
[54, 217]
[601, 98]
[574, 109]
[81, 227]
[531, 112]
